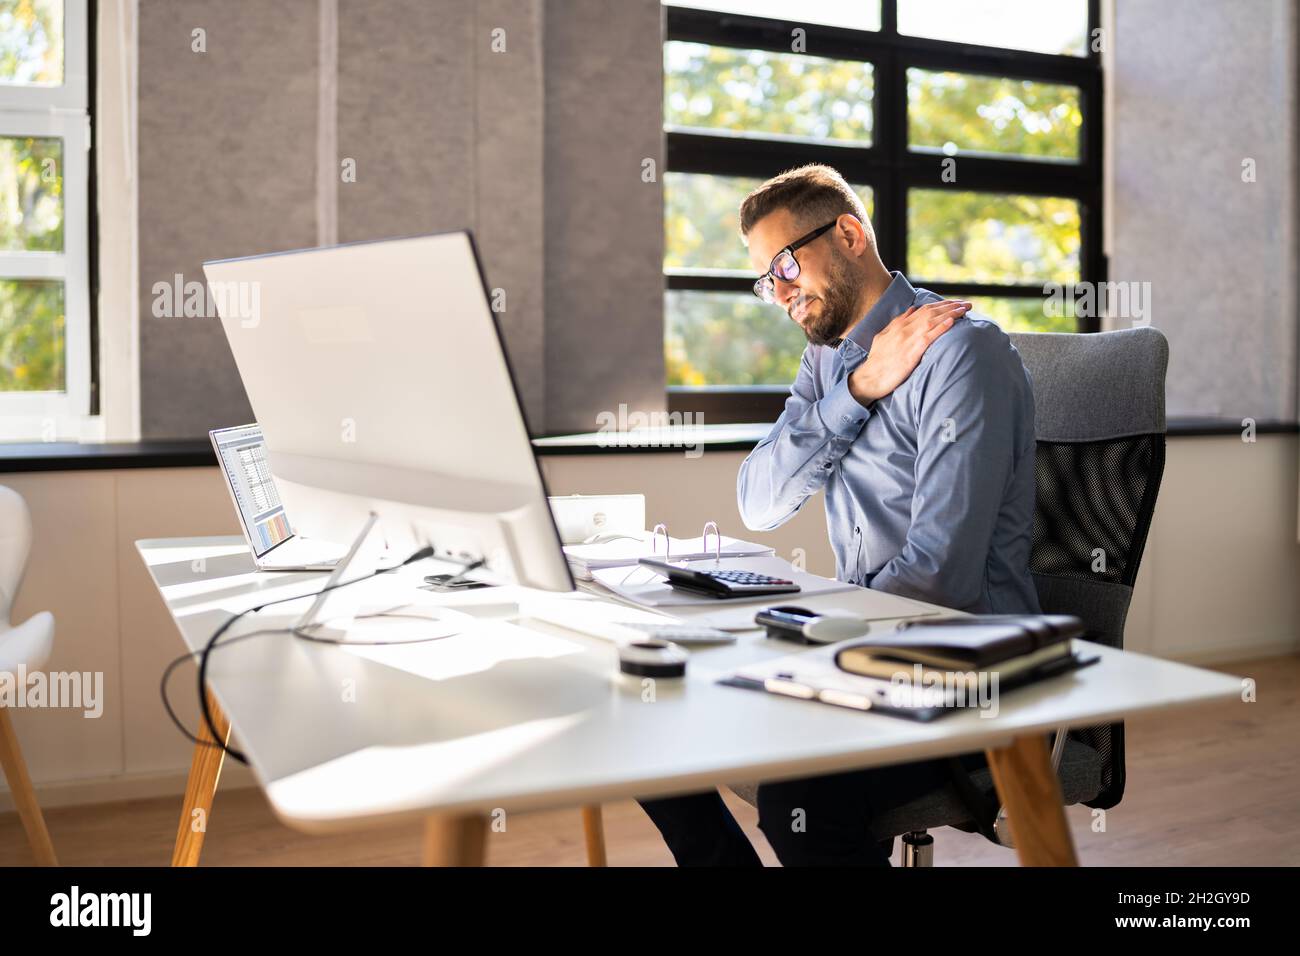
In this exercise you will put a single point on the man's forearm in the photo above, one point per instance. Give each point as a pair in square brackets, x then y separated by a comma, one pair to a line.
[794, 461]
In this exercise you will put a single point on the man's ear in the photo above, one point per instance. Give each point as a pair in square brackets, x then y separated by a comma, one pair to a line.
[851, 231]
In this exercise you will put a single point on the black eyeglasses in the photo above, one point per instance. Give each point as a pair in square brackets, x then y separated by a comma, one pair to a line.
[784, 266]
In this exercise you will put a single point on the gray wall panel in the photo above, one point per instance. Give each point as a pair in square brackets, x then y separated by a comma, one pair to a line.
[604, 226]
[227, 168]
[509, 183]
[406, 115]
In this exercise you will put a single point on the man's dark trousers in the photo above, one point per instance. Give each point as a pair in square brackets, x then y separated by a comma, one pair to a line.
[815, 821]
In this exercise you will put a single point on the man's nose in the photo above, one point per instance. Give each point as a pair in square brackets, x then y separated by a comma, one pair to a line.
[786, 292]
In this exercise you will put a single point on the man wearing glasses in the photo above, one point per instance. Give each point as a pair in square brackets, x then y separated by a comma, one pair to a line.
[916, 418]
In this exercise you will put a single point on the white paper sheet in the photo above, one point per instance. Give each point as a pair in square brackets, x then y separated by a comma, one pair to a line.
[586, 559]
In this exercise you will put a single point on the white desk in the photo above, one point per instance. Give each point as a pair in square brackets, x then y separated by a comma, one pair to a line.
[523, 716]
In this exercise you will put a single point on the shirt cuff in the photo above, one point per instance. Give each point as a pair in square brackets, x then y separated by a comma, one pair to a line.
[841, 413]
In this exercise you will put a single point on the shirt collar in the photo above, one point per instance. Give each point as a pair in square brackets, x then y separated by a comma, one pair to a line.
[896, 300]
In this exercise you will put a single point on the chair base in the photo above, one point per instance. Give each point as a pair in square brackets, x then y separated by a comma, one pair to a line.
[917, 849]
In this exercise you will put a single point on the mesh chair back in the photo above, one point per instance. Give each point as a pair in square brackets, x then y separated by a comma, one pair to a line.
[1100, 425]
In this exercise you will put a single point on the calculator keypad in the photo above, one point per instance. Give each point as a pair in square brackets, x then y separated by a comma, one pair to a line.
[745, 578]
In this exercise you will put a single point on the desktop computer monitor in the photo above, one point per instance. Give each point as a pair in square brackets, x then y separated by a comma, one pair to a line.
[379, 377]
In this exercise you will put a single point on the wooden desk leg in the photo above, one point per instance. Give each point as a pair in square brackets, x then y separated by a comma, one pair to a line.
[593, 827]
[455, 840]
[205, 771]
[20, 785]
[1028, 788]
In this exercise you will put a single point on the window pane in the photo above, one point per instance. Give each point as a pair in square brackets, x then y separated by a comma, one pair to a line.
[31, 194]
[963, 113]
[728, 338]
[771, 94]
[991, 237]
[1027, 315]
[1042, 26]
[855, 14]
[701, 228]
[701, 220]
[31, 335]
[31, 42]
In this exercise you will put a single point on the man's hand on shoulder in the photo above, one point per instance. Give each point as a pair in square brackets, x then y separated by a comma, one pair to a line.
[898, 347]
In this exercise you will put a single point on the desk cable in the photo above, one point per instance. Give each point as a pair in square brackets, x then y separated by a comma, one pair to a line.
[205, 654]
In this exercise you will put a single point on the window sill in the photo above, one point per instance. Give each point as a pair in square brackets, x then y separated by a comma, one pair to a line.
[20, 457]
[16, 458]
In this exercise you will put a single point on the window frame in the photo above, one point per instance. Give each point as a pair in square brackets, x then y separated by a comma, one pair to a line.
[888, 166]
[63, 112]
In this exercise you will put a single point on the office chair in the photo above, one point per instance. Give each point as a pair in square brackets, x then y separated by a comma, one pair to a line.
[1100, 427]
[23, 646]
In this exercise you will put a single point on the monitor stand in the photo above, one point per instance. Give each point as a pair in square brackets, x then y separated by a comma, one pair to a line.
[334, 619]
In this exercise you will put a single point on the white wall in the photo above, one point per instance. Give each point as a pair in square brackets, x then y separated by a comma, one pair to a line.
[1218, 582]
[110, 619]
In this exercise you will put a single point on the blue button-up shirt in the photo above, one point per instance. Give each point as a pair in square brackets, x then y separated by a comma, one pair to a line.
[930, 491]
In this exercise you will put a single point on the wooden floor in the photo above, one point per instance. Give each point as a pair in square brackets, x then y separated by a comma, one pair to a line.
[1206, 787]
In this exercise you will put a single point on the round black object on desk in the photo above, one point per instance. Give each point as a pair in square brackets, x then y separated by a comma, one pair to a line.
[651, 657]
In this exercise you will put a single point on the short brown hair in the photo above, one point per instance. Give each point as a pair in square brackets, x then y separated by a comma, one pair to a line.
[815, 194]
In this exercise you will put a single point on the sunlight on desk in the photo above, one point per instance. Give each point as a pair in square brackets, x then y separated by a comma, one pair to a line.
[346, 783]
[480, 647]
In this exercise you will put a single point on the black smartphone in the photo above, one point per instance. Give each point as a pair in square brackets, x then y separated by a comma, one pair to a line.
[785, 622]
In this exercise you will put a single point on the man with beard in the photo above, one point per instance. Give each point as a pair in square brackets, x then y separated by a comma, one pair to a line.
[916, 418]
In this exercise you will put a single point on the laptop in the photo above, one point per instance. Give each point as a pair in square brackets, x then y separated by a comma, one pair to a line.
[241, 455]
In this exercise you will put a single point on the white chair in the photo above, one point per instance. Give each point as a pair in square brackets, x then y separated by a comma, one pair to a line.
[23, 647]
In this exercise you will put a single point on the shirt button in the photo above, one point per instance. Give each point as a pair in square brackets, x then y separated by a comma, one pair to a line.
[857, 530]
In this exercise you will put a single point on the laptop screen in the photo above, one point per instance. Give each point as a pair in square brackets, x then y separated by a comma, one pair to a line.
[241, 453]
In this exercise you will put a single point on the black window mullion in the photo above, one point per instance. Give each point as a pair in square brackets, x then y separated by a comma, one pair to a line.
[709, 283]
[990, 290]
[1068, 70]
[889, 19]
[1092, 257]
[977, 174]
[721, 282]
[702, 152]
[891, 200]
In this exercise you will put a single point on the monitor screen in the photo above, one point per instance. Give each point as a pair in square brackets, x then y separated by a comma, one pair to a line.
[241, 452]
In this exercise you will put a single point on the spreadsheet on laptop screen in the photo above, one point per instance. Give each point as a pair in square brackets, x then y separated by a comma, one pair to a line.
[242, 452]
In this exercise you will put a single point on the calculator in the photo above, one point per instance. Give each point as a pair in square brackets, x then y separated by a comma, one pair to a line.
[725, 583]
